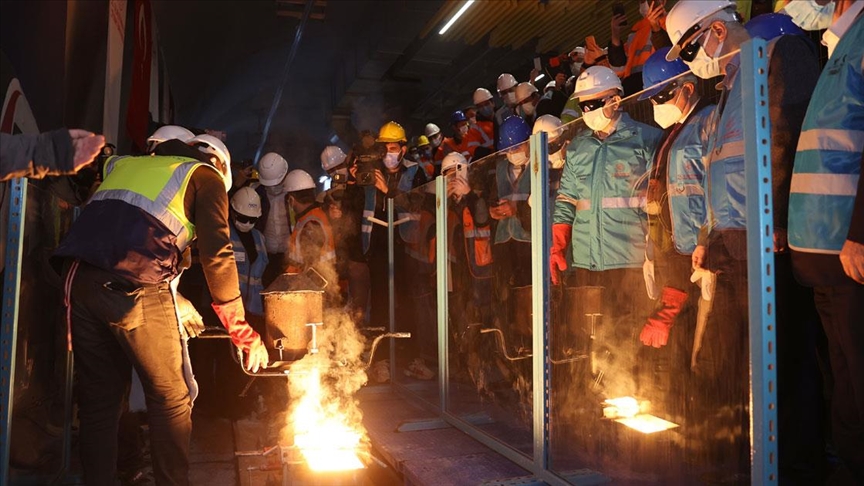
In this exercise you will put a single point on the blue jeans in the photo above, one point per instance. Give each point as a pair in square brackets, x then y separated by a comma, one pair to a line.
[117, 325]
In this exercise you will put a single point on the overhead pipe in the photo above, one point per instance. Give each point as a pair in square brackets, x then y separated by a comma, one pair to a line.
[285, 71]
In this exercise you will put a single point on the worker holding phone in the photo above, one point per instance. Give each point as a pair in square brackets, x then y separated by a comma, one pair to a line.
[646, 35]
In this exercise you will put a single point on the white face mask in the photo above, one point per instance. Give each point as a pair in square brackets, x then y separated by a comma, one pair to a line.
[643, 8]
[510, 98]
[436, 140]
[706, 66]
[575, 68]
[809, 15]
[596, 120]
[391, 160]
[528, 108]
[472, 121]
[519, 159]
[463, 130]
[243, 227]
[667, 114]
[556, 160]
[274, 191]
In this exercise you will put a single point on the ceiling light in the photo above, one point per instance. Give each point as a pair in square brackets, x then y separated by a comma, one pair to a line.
[455, 17]
[538, 78]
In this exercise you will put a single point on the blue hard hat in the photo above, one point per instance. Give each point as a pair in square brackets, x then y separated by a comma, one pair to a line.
[513, 131]
[458, 116]
[657, 70]
[769, 26]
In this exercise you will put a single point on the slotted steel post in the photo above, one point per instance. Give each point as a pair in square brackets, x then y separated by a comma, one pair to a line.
[760, 263]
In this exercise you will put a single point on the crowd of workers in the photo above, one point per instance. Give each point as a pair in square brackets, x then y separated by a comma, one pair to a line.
[678, 240]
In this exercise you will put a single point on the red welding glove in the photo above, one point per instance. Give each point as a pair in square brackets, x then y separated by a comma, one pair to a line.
[233, 317]
[656, 330]
[560, 239]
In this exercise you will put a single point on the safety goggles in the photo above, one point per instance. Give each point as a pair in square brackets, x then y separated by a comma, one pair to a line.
[591, 105]
[242, 218]
[689, 50]
[667, 94]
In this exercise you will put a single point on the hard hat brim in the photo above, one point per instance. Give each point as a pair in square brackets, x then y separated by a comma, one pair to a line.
[269, 182]
[653, 91]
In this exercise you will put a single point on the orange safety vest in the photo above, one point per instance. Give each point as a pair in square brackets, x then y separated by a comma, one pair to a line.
[328, 249]
[486, 132]
[639, 47]
[478, 245]
[469, 144]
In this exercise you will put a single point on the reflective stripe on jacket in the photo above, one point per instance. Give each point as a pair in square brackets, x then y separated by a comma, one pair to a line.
[250, 273]
[157, 185]
[516, 191]
[828, 160]
[414, 233]
[599, 198]
[486, 132]
[685, 184]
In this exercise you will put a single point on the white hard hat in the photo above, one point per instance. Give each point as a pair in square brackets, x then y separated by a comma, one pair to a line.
[596, 79]
[213, 146]
[550, 124]
[524, 90]
[331, 157]
[432, 130]
[506, 81]
[578, 50]
[481, 95]
[685, 19]
[297, 180]
[453, 159]
[272, 169]
[247, 202]
[168, 132]
[549, 85]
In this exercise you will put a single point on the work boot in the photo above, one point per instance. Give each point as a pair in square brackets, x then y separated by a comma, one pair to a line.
[656, 330]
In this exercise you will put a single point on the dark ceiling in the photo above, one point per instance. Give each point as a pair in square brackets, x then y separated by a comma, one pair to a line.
[359, 63]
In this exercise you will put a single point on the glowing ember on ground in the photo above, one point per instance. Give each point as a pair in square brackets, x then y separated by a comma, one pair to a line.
[322, 431]
[646, 423]
[625, 411]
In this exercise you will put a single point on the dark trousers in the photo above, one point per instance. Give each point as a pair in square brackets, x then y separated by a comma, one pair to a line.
[799, 380]
[842, 311]
[117, 326]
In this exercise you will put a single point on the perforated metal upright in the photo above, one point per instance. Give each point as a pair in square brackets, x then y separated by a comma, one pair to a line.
[760, 263]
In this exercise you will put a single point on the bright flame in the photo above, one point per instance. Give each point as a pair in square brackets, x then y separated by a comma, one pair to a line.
[321, 430]
[623, 406]
[625, 411]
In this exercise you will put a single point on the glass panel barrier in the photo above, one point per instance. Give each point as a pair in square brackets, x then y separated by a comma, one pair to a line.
[416, 309]
[649, 354]
[490, 296]
[649, 360]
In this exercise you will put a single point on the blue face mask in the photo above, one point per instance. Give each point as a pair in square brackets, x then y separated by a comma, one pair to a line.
[486, 111]
[809, 15]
